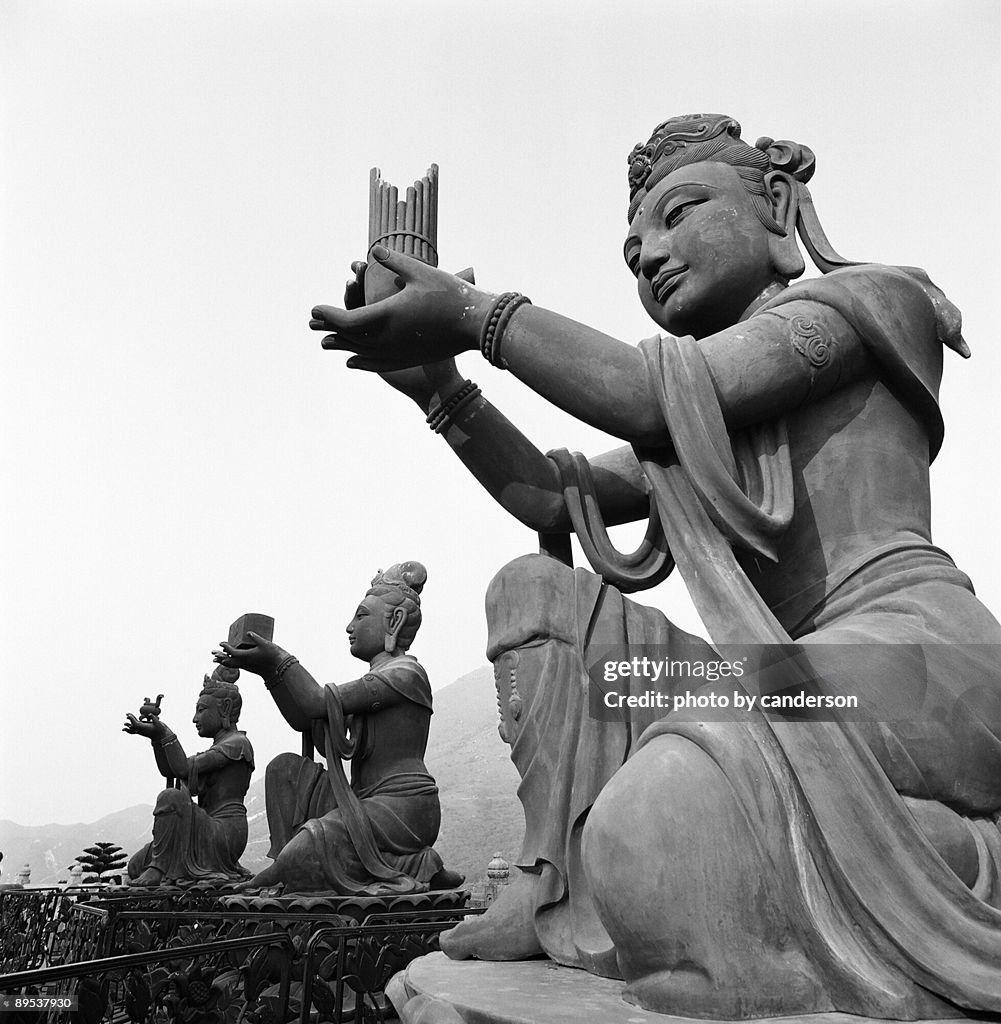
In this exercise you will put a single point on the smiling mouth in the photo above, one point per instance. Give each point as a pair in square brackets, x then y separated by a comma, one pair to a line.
[665, 282]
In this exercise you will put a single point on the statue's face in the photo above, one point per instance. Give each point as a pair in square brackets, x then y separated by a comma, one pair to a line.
[208, 717]
[698, 250]
[367, 630]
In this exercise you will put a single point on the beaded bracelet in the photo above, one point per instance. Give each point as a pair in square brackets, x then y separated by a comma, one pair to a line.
[496, 323]
[165, 741]
[283, 666]
[440, 419]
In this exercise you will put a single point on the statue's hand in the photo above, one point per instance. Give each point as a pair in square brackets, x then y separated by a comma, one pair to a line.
[136, 727]
[420, 383]
[261, 659]
[434, 317]
[354, 291]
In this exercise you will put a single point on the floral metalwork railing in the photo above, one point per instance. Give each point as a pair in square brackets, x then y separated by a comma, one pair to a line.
[40, 927]
[135, 931]
[239, 967]
[346, 969]
[243, 979]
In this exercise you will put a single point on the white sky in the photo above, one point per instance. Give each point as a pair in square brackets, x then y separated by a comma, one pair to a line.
[183, 180]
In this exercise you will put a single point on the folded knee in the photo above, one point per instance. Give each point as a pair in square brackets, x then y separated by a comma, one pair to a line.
[531, 597]
[282, 764]
[170, 800]
[527, 572]
[670, 785]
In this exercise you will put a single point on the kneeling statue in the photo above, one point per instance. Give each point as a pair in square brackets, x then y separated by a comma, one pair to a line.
[374, 836]
[203, 841]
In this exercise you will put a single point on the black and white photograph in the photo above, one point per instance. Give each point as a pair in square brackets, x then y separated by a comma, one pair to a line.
[501, 511]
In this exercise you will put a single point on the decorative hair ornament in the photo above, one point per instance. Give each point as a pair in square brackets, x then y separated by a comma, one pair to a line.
[406, 577]
[688, 139]
[221, 674]
[794, 158]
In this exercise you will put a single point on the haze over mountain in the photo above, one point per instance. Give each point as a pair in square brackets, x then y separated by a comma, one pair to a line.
[477, 782]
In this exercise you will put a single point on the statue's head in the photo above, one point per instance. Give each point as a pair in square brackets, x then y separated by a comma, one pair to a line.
[219, 703]
[390, 613]
[712, 221]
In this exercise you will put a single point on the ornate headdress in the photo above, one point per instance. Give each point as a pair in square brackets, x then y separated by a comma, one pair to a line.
[693, 138]
[407, 578]
[222, 685]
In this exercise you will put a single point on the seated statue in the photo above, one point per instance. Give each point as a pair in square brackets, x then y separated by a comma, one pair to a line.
[375, 835]
[204, 841]
[778, 442]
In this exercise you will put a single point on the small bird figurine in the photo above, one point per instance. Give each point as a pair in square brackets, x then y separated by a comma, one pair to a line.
[150, 711]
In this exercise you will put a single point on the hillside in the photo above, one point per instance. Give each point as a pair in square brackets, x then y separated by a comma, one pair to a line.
[477, 782]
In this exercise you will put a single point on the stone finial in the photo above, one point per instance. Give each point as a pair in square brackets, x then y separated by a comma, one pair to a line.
[498, 870]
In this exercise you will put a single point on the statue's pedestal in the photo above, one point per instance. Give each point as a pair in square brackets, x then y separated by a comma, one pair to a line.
[436, 990]
[356, 907]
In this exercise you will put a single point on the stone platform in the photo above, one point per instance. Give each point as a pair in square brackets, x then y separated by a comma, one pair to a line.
[436, 990]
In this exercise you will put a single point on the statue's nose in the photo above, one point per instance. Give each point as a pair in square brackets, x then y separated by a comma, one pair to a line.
[653, 255]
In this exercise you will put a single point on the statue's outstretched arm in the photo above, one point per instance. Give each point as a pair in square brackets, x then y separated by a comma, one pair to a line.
[763, 367]
[438, 315]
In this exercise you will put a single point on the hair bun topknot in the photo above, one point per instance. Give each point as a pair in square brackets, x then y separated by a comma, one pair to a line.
[794, 158]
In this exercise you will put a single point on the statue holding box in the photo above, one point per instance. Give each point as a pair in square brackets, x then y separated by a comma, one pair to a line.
[373, 835]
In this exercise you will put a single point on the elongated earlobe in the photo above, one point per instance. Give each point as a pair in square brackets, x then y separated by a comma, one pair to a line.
[783, 192]
[394, 623]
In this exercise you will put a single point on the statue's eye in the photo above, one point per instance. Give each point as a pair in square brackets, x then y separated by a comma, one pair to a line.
[679, 212]
[632, 257]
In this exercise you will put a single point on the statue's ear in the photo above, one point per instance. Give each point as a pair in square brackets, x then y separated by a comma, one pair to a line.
[783, 194]
[225, 709]
[395, 619]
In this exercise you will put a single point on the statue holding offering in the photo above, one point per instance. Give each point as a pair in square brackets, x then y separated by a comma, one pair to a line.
[778, 441]
[374, 835]
[203, 841]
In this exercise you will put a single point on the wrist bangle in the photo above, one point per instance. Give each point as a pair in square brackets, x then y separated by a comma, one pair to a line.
[440, 418]
[167, 740]
[280, 669]
[496, 323]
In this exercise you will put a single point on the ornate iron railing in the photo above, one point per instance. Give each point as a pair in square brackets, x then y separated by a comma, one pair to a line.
[217, 966]
[39, 927]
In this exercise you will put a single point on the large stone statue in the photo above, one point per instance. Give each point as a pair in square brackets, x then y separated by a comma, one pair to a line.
[203, 841]
[779, 440]
[375, 835]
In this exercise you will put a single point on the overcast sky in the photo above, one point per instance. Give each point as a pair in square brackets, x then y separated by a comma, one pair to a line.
[183, 180]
